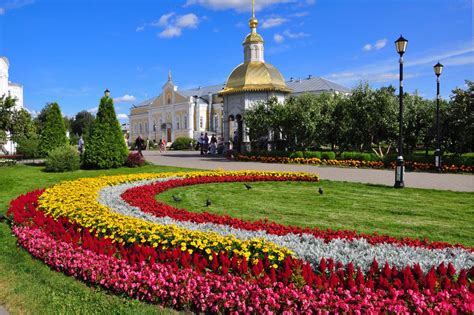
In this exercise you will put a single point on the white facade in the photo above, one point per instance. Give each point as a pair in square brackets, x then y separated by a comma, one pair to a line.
[175, 113]
[8, 88]
[15, 90]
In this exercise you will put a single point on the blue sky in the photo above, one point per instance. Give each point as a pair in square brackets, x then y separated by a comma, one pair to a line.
[70, 51]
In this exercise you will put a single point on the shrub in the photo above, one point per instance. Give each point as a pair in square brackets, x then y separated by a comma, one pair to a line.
[53, 132]
[105, 147]
[297, 154]
[7, 162]
[29, 148]
[135, 160]
[359, 156]
[182, 143]
[62, 159]
[328, 155]
[312, 154]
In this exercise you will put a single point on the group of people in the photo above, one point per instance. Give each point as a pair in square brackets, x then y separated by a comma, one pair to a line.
[140, 145]
[206, 145]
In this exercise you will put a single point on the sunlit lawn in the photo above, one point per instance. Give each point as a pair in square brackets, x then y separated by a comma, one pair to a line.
[417, 213]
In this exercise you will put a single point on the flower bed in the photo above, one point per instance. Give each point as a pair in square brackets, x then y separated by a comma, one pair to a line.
[412, 166]
[100, 230]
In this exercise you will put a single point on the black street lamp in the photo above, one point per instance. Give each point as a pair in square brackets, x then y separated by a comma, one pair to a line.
[438, 68]
[401, 45]
[107, 93]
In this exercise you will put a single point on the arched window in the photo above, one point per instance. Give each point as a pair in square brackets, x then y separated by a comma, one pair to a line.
[216, 122]
[177, 122]
[201, 122]
[185, 121]
[141, 128]
[168, 98]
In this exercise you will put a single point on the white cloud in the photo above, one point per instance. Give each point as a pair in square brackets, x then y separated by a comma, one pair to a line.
[367, 47]
[163, 21]
[188, 20]
[278, 38]
[238, 5]
[2, 11]
[273, 22]
[173, 24]
[140, 28]
[380, 43]
[93, 110]
[170, 32]
[125, 98]
[291, 35]
[122, 116]
[459, 61]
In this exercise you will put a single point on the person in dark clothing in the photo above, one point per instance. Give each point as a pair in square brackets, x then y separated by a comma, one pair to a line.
[139, 145]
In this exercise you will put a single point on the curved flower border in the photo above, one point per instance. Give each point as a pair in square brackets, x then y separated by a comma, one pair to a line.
[223, 281]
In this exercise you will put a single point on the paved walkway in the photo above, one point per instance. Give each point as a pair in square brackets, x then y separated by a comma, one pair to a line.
[192, 159]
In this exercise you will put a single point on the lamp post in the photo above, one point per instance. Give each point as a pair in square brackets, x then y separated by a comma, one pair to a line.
[107, 93]
[438, 68]
[401, 45]
[154, 130]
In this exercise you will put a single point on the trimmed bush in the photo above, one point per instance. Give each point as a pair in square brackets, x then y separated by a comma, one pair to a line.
[63, 159]
[135, 160]
[328, 155]
[359, 156]
[312, 154]
[105, 147]
[183, 143]
[53, 132]
[297, 154]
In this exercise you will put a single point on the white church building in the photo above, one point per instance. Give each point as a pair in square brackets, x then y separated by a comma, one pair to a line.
[219, 109]
[14, 90]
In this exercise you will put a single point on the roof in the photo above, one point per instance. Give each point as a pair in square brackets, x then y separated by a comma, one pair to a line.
[6, 60]
[255, 76]
[315, 84]
[298, 86]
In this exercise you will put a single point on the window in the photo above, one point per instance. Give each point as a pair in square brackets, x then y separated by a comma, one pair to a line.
[216, 122]
[146, 127]
[201, 122]
[177, 122]
[185, 122]
[168, 98]
[141, 128]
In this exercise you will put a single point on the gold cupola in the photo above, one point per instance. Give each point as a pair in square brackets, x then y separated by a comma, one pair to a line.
[254, 74]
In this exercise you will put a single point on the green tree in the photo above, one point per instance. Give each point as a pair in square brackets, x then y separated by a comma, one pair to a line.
[106, 146]
[53, 132]
[459, 120]
[7, 107]
[81, 124]
[22, 125]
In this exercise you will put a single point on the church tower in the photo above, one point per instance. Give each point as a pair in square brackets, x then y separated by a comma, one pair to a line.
[252, 81]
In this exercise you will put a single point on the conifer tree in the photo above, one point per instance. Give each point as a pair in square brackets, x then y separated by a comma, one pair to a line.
[53, 132]
[105, 147]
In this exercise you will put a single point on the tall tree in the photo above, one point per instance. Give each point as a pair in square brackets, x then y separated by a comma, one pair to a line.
[22, 125]
[106, 146]
[53, 132]
[81, 124]
[459, 121]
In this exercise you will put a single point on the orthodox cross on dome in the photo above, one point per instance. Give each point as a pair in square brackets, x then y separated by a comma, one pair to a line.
[253, 8]
[169, 76]
[253, 22]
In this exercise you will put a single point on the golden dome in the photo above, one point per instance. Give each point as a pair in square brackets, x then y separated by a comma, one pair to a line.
[253, 38]
[255, 76]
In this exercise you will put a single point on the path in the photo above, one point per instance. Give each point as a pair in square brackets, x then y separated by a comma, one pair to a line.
[192, 159]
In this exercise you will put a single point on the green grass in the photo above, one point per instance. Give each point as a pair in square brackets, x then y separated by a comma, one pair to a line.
[27, 286]
[416, 213]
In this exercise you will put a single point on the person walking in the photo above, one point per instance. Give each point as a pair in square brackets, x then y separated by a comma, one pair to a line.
[206, 143]
[201, 143]
[80, 146]
[213, 148]
[139, 145]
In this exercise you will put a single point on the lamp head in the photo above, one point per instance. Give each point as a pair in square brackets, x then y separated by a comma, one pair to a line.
[401, 45]
[438, 69]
